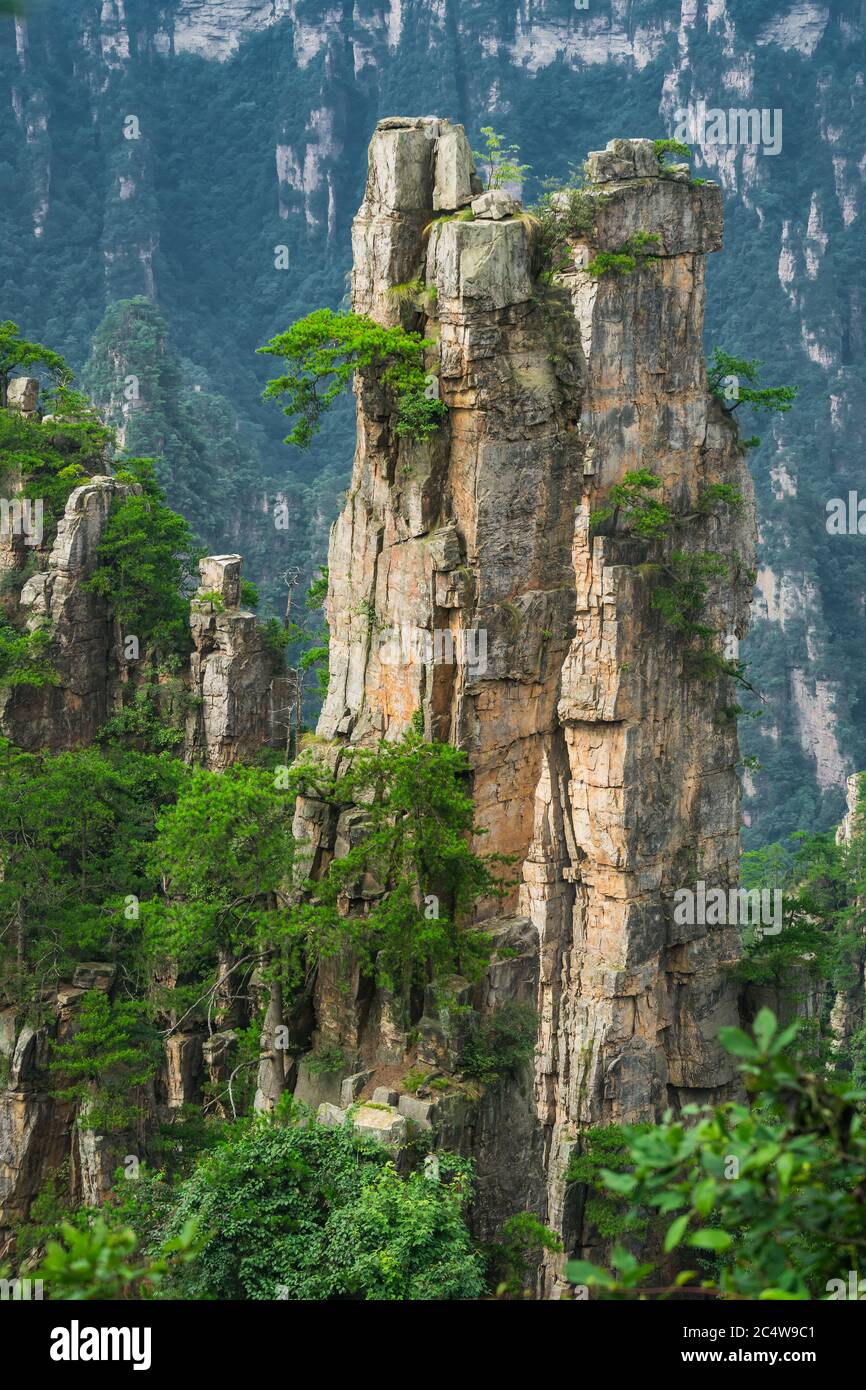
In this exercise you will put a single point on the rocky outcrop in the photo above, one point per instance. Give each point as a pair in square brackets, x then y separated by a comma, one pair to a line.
[241, 697]
[848, 1013]
[601, 760]
[237, 693]
[45, 1140]
[69, 713]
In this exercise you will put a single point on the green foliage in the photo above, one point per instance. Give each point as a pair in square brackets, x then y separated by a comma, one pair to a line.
[146, 555]
[605, 1149]
[324, 350]
[406, 1238]
[819, 953]
[664, 148]
[101, 1262]
[611, 263]
[415, 848]
[564, 213]
[202, 452]
[414, 1079]
[682, 598]
[74, 836]
[53, 457]
[524, 1240]
[276, 640]
[111, 1051]
[303, 1212]
[24, 656]
[500, 1043]
[502, 161]
[634, 508]
[772, 1193]
[683, 579]
[630, 255]
[211, 597]
[249, 594]
[315, 655]
[731, 380]
[724, 493]
[325, 1060]
[152, 721]
[463, 215]
[222, 897]
[16, 352]
[416, 293]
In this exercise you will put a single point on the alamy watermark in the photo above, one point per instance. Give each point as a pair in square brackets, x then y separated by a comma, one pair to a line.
[406, 643]
[760, 908]
[852, 1290]
[20, 1290]
[703, 125]
[22, 516]
[846, 517]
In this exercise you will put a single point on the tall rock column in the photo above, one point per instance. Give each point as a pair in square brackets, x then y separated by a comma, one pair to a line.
[467, 582]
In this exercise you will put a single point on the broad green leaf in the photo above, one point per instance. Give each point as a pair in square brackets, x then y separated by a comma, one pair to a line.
[711, 1239]
[582, 1272]
[734, 1040]
[676, 1231]
[619, 1182]
[704, 1196]
[765, 1026]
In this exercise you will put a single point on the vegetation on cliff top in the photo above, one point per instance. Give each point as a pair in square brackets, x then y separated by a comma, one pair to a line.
[323, 351]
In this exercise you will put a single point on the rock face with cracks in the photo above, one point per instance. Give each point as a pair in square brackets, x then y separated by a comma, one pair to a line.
[466, 582]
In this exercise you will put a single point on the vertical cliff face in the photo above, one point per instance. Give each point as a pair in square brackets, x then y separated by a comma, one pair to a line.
[69, 713]
[466, 581]
[849, 1004]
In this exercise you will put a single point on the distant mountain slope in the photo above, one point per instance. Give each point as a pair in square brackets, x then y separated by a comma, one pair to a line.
[252, 120]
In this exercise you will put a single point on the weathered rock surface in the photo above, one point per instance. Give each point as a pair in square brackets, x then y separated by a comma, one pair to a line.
[600, 761]
[849, 1005]
[68, 714]
[240, 698]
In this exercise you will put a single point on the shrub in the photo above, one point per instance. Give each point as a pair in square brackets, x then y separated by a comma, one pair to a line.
[771, 1195]
[663, 148]
[23, 656]
[632, 505]
[500, 1043]
[524, 1239]
[146, 556]
[323, 351]
[314, 1213]
[110, 1053]
[502, 161]
[416, 846]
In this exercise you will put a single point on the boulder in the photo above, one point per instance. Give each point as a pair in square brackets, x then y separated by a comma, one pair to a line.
[352, 1086]
[383, 1095]
[452, 185]
[221, 574]
[23, 394]
[418, 1111]
[387, 1126]
[495, 203]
